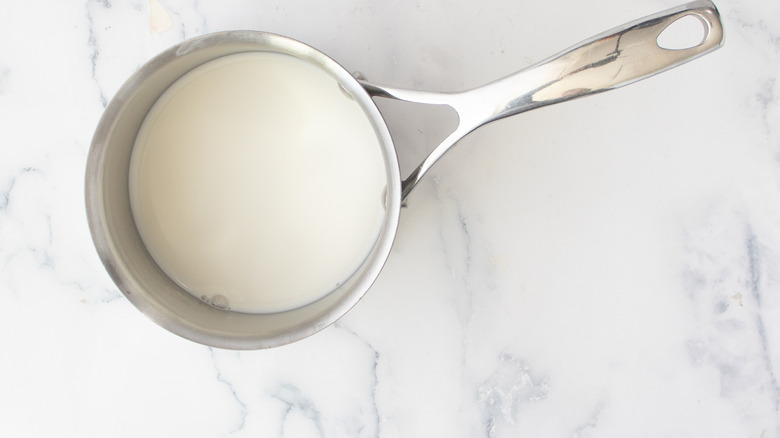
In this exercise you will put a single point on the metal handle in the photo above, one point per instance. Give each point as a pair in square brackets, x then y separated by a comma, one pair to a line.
[610, 60]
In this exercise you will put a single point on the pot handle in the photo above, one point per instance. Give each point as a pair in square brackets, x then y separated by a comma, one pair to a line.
[610, 60]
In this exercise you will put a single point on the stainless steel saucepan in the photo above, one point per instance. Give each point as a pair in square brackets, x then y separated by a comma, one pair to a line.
[610, 60]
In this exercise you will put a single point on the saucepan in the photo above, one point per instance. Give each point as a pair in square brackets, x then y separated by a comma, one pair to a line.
[609, 60]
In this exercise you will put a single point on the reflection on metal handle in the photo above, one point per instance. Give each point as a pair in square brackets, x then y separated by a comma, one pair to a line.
[613, 59]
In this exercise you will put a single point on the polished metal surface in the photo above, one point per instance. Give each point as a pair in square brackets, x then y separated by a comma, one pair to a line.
[607, 61]
[610, 60]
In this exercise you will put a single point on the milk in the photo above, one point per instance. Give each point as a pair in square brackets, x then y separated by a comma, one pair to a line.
[256, 183]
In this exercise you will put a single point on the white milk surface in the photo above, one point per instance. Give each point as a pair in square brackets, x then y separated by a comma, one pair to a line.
[256, 183]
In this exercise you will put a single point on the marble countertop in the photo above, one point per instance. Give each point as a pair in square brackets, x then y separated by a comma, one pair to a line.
[608, 267]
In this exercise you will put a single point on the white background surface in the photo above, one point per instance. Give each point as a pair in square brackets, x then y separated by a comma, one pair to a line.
[604, 268]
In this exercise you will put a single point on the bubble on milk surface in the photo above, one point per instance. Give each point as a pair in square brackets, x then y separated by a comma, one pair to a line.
[218, 301]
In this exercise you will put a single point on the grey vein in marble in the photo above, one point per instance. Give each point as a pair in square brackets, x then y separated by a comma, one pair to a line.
[297, 402]
[374, 383]
[590, 427]
[755, 285]
[511, 387]
[92, 42]
[459, 251]
[730, 310]
[230, 386]
[40, 247]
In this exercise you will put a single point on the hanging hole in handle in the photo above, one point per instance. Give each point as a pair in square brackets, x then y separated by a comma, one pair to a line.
[686, 32]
